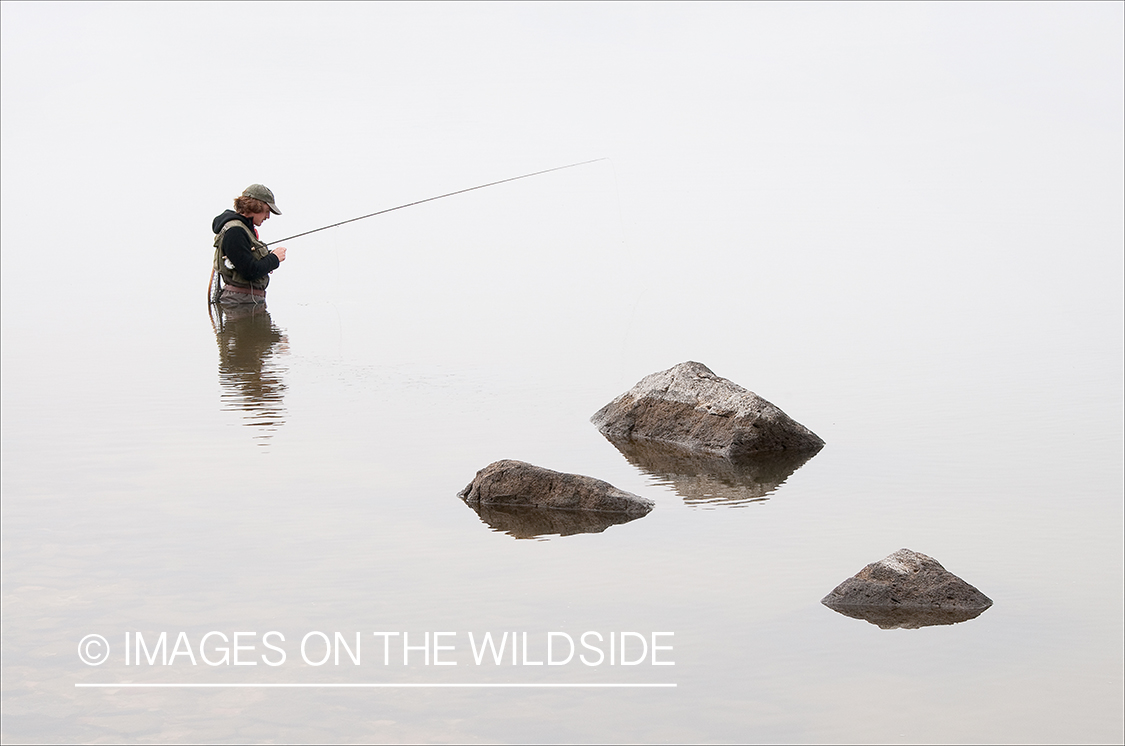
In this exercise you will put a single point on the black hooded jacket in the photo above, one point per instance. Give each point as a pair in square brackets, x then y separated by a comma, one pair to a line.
[236, 247]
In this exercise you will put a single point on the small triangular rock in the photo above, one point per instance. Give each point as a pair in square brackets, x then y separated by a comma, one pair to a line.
[906, 580]
[691, 407]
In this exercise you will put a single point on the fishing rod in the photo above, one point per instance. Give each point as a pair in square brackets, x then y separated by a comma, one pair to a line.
[431, 199]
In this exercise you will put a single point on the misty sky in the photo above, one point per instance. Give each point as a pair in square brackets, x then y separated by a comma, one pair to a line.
[920, 164]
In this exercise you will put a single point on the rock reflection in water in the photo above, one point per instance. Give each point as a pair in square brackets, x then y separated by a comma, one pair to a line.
[906, 618]
[537, 523]
[249, 371]
[706, 480]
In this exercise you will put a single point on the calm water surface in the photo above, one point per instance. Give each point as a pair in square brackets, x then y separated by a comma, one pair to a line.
[244, 476]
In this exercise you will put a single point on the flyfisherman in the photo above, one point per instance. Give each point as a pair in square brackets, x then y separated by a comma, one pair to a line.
[241, 259]
[244, 263]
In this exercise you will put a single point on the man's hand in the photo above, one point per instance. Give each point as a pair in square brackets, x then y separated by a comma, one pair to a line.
[280, 253]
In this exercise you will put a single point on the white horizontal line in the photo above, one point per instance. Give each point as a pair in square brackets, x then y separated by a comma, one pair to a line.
[373, 686]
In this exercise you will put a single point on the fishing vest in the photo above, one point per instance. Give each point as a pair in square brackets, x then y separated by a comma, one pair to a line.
[223, 265]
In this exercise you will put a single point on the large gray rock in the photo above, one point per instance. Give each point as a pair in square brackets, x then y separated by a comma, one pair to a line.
[907, 589]
[691, 407]
[518, 484]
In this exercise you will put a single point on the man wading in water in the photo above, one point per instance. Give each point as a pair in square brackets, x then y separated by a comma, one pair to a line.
[241, 259]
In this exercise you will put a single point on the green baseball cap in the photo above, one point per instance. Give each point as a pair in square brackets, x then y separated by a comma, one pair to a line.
[261, 192]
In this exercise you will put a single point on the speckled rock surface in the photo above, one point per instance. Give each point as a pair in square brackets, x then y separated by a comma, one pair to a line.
[691, 407]
[519, 484]
[906, 580]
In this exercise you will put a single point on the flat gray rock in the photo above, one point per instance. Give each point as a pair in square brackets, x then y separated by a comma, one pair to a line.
[516, 484]
[691, 407]
[907, 589]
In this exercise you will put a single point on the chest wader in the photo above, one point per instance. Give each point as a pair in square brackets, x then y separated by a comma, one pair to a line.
[223, 268]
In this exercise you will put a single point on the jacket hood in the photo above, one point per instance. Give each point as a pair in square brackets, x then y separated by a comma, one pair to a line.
[227, 216]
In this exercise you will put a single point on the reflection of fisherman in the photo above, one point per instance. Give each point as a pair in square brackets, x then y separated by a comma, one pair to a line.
[242, 261]
[250, 370]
